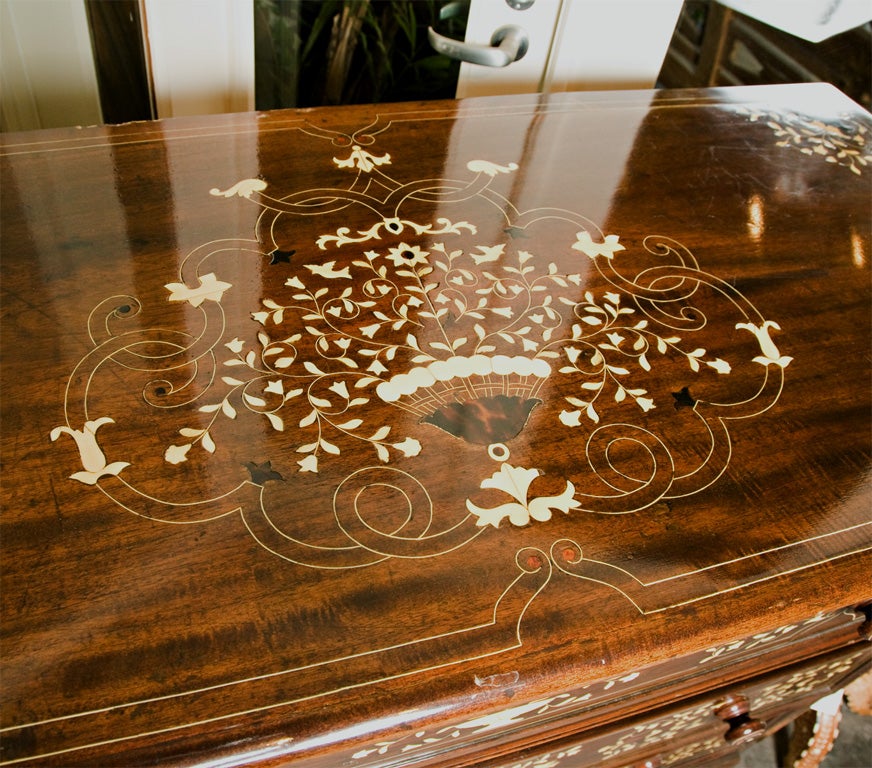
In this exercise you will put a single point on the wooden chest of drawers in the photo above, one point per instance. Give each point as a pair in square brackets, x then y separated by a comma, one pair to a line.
[518, 432]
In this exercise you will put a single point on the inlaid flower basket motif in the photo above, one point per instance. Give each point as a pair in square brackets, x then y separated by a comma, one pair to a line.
[442, 310]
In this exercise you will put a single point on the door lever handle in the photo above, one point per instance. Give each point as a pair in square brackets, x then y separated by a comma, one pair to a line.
[508, 44]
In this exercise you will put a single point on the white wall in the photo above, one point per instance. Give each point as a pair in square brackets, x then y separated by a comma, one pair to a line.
[47, 75]
[202, 55]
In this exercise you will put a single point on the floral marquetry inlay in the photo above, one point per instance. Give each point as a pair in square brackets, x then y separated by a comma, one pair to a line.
[373, 338]
[704, 747]
[658, 731]
[559, 758]
[844, 143]
[805, 680]
[772, 637]
[539, 711]
[512, 432]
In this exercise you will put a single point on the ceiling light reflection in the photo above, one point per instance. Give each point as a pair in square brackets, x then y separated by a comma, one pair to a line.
[858, 252]
[756, 223]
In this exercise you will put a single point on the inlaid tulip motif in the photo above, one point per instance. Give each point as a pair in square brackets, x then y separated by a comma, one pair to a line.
[770, 354]
[93, 460]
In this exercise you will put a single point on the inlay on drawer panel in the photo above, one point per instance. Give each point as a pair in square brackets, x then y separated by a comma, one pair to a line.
[716, 723]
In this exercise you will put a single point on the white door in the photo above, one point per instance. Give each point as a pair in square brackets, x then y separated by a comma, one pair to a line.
[202, 51]
[47, 75]
[575, 45]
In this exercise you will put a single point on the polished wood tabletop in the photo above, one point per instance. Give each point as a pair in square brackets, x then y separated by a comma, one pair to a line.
[358, 436]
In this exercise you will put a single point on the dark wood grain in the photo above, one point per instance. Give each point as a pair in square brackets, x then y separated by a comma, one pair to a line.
[247, 517]
[119, 60]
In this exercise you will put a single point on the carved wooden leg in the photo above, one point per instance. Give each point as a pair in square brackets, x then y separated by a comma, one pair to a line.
[859, 695]
[814, 733]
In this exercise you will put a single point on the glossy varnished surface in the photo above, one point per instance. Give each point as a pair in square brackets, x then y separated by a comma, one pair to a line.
[322, 429]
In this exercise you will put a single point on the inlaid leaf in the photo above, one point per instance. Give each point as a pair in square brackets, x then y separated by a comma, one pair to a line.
[312, 368]
[176, 454]
[329, 447]
[351, 424]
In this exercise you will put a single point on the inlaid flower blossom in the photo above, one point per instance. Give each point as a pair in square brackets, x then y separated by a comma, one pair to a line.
[210, 288]
[516, 481]
[608, 247]
[362, 160]
[407, 255]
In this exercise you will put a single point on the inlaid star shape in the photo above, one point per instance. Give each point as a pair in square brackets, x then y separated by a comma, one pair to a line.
[279, 256]
[683, 399]
[516, 232]
[260, 473]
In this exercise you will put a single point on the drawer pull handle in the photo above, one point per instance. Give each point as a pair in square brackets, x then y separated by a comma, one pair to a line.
[745, 731]
[735, 712]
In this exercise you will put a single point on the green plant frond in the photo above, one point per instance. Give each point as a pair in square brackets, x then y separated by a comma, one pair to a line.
[387, 59]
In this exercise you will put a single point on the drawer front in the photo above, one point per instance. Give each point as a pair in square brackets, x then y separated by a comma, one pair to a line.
[618, 747]
[595, 705]
[810, 681]
[712, 726]
[552, 728]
